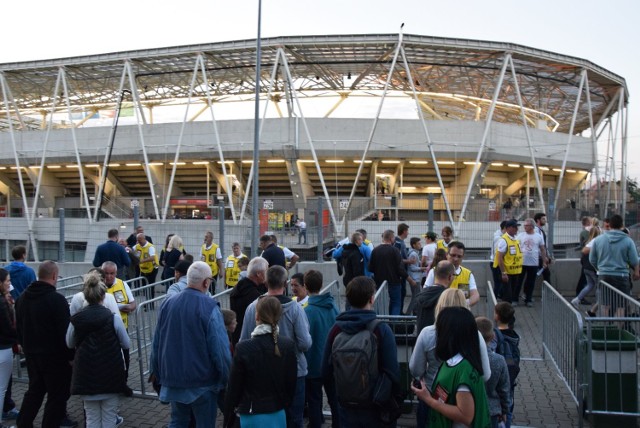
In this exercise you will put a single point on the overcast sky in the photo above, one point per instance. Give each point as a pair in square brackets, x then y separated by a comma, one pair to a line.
[605, 33]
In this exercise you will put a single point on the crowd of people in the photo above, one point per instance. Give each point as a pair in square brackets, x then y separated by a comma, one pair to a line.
[271, 358]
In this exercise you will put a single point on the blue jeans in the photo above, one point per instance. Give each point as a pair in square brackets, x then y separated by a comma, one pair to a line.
[422, 414]
[204, 410]
[395, 299]
[314, 399]
[296, 408]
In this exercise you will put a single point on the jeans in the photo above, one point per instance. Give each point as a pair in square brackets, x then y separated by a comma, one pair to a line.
[296, 408]
[529, 275]
[102, 413]
[592, 280]
[314, 399]
[6, 368]
[204, 410]
[302, 235]
[422, 414]
[50, 377]
[510, 288]
[395, 299]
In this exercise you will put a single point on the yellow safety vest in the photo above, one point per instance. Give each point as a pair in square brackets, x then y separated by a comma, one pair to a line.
[119, 293]
[209, 257]
[512, 257]
[440, 244]
[232, 271]
[143, 253]
[462, 280]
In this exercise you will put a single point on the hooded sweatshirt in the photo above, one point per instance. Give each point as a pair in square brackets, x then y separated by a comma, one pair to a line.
[21, 276]
[293, 324]
[613, 253]
[425, 306]
[353, 321]
[243, 294]
[321, 312]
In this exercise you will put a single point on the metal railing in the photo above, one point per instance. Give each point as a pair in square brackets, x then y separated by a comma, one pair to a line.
[63, 282]
[490, 301]
[333, 288]
[381, 300]
[562, 333]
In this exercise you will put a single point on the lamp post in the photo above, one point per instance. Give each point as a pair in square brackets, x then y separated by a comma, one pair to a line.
[256, 142]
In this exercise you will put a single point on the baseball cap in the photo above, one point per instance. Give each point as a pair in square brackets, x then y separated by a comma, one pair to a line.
[430, 235]
[512, 222]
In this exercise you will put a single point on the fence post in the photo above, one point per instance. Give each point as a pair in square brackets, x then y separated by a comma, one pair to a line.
[320, 231]
[221, 224]
[430, 228]
[136, 215]
[61, 254]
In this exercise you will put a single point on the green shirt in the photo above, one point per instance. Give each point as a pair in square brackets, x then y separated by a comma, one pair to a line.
[452, 374]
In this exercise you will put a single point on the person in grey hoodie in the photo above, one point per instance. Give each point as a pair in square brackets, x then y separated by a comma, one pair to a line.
[295, 326]
[612, 254]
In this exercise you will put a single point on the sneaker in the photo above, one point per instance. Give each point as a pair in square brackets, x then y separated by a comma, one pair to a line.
[590, 313]
[529, 304]
[119, 420]
[11, 414]
[68, 423]
[576, 303]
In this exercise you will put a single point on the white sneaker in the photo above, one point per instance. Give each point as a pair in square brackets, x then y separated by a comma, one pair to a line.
[576, 303]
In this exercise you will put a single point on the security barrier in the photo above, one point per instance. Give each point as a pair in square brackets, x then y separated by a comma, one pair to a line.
[490, 301]
[381, 300]
[562, 333]
[334, 289]
[63, 282]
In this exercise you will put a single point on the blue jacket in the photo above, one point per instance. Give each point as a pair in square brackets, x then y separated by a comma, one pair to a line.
[364, 250]
[21, 276]
[111, 251]
[613, 253]
[190, 344]
[321, 312]
[353, 321]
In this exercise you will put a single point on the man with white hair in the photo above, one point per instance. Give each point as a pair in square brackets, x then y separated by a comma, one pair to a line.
[190, 333]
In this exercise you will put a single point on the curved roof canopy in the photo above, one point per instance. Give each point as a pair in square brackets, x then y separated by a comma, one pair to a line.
[455, 78]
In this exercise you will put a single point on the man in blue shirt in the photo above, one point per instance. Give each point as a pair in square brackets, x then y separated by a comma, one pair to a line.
[21, 274]
[111, 251]
[191, 357]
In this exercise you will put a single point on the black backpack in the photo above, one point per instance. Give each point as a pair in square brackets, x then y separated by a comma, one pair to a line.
[352, 263]
[354, 358]
[509, 348]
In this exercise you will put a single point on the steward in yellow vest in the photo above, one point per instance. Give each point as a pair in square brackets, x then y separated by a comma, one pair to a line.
[508, 258]
[119, 292]
[231, 269]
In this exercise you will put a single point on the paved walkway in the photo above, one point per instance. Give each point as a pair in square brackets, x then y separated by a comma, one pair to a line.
[542, 399]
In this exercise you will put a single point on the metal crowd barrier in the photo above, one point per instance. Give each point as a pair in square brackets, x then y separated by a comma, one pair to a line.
[333, 288]
[490, 301]
[63, 282]
[69, 290]
[141, 333]
[381, 300]
[143, 290]
[609, 350]
[562, 335]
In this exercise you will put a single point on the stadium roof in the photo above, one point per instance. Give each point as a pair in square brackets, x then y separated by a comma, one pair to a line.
[455, 77]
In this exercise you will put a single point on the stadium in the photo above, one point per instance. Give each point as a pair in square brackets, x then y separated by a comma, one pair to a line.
[371, 126]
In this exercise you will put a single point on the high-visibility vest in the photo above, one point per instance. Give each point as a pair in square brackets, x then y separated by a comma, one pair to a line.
[232, 271]
[512, 257]
[441, 244]
[143, 253]
[119, 293]
[462, 280]
[209, 257]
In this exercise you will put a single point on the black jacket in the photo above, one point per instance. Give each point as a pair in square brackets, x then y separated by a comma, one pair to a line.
[8, 334]
[386, 265]
[42, 318]
[243, 294]
[425, 306]
[98, 367]
[260, 381]
[352, 262]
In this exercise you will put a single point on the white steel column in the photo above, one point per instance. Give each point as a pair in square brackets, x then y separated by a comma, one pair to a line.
[140, 116]
[6, 95]
[623, 171]
[526, 131]
[373, 130]
[485, 135]
[83, 187]
[583, 78]
[594, 138]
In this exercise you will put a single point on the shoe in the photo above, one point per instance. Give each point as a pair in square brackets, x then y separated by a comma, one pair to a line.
[576, 303]
[11, 414]
[529, 304]
[128, 392]
[585, 302]
[590, 313]
[119, 420]
[68, 423]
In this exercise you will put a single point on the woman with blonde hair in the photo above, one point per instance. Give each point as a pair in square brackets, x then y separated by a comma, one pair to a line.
[99, 336]
[263, 376]
[172, 255]
[424, 363]
[588, 269]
